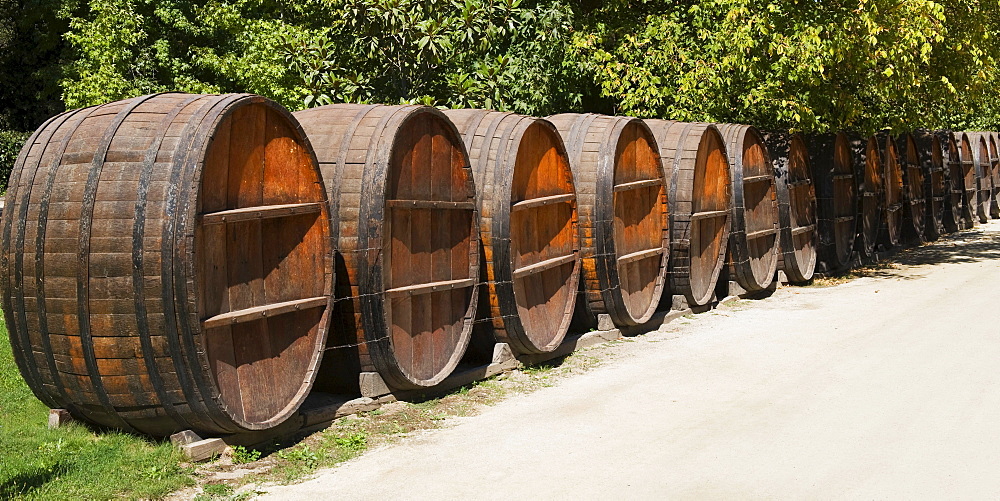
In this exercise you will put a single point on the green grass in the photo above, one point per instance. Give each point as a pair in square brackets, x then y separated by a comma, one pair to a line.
[74, 462]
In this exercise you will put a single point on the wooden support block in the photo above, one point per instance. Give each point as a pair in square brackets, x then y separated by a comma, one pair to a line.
[604, 322]
[679, 302]
[372, 385]
[58, 418]
[204, 449]
[502, 354]
[184, 437]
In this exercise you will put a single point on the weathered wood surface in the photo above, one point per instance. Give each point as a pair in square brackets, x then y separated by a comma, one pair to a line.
[833, 159]
[754, 242]
[994, 194]
[620, 215]
[694, 157]
[799, 230]
[109, 270]
[891, 227]
[983, 172]
[911, 159]
[408, 242]
[871, 187]
[932, 155]
[527, 205]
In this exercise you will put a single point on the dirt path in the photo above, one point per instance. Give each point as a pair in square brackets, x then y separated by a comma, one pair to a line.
[887, 386]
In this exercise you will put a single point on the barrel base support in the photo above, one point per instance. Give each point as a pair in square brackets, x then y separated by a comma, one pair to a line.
[204, 449]
[185, 437]
[59, 418]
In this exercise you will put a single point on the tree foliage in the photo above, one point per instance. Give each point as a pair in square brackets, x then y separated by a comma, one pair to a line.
[801, 64]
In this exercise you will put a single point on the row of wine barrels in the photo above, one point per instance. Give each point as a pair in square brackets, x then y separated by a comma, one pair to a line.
[914, 201]
[622, 204]
[694, 156]
[754, 242]
[833, 158]
[407, 230]
[166, 263]
[797, 213]
[527, 203]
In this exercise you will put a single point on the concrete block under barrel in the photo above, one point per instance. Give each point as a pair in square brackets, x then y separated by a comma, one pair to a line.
[166, 264]
[407, 227]
[527, 202]
[694, 157]
[622, 203]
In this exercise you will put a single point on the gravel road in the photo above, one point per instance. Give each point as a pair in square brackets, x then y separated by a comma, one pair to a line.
[884, 387]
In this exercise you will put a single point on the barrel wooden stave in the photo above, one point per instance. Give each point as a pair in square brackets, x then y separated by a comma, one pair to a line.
[694, 156]
[754, 242]
[408, 241]
[518, 159]
[797, 213]
[113, 306]
[622, 207]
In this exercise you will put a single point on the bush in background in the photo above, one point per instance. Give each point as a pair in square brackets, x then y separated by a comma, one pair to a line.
[10, 146]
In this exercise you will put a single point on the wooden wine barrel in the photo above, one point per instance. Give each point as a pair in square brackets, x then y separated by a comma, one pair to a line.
[993, 176]
[833, 158]
[527, 202]
[166, 263]
[931, 155]
[694, 155]
[911, 159]
[954, 172]
[622, 202]
[799, 237]
[984, 167]
[969, 153]
[408, 236]
[754, 241]
[891, 231]
[870, 187]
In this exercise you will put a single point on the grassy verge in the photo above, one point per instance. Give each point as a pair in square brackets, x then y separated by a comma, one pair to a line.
[74, 462]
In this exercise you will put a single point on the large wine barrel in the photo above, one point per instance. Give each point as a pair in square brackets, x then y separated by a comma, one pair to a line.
[870, 187]
[911, 159]
[834, 158]
[799, 237]
[753, 243]
[622, 201]
[931, 154]
[166, 263]
[991, 176]
[954, 210]
[891, 231]
[694, 155]
[984, 164]
[408, 235]
[527, 202]
[969, 148]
